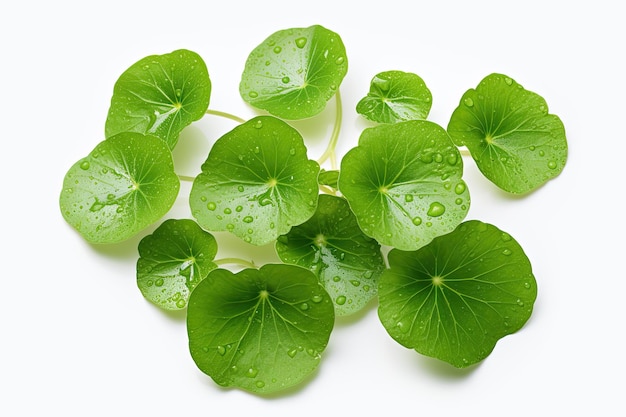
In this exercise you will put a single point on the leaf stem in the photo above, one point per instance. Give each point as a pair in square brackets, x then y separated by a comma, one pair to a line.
[238, 261]
[226, 115]
[186, 178]
[329, 153]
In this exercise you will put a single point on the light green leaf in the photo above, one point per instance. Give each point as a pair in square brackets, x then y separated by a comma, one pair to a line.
[294, 72]
[257, 182]
[172, 261]
[456, 297]
[330, 244]
[125, 184]
[404, 183]
[396, 96]
[260, 330]
[160, 95]
[515, 142]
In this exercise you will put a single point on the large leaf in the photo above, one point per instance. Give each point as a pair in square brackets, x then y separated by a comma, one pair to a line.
[403, 182]
[125, 184]
[395, 96]
[160, 95]
[294, 72]
[260, 330]
[173, 260]
[257, 182]
[515, 142]
[330, 244]
[456, 297]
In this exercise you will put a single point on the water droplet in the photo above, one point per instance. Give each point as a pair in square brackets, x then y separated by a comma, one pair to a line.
[292, 151]
[417, 221]
[292, 353]
[252, 372]
[304, 306]
[317, 298]
[259, 384]
[508, 81]
[341, 300]
[452, 159]
[506, 252]
[355, 282]
[301, 42]
[248, 219]
[159, 282]
[238, 209]
[181, 303]
[436, 209]
[552, 165]
[253, 94]
[458, 201]
[468, 102]
[520, 303]
[527, 285]
[277, 49]
[211, 206]
[408, 198]
[97, 206]
[506, 237]
[339, 60]
[336, 278]
[84, 165]
[285, 80]
[258, 124]
[460, 188]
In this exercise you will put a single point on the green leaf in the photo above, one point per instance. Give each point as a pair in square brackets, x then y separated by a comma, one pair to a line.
[403, 182]
[396, 96]
[172, 261]
[260, 330]
[330, 244]
[455, 298]
[160, 95]
[515, 142]
[294, 72]
[125, 184]
[328, 178]
[257, 182]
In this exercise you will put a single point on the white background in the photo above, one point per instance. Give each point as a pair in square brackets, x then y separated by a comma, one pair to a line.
[78, 339]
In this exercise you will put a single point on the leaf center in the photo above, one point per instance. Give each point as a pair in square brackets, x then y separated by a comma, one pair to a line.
[437, 280]
[320, 240]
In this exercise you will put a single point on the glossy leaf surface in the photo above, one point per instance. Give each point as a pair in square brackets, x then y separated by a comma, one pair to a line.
[172, 261]
[404, 183]
[257, 182]
[515, 142]
[260, 330]
[125, 184]
[294, 72]
[347, 262]
[456, 297]
[396, 96]
[160, 95]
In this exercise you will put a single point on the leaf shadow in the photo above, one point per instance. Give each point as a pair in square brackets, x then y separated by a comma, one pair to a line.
[444, 370]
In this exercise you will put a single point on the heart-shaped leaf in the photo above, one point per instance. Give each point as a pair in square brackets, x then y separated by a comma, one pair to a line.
[515, 142]
[160, 95]
[125, 184]
[294, 72]
[403, 182]
[257, 182]
[456, 297]
[396, 96]
[260, 330]
[330, 244]
[173, 260]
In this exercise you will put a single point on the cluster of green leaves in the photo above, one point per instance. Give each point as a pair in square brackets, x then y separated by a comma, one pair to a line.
[448, 288]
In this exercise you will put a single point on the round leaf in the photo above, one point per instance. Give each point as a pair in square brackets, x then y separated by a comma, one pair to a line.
[455, 298]
[172, 261]
[294, 72]
[260, 330]
[515, 142]
[330, 244]
[125, 184]
[403, 182]
[396, 96]
[257, 182]
[160, 95]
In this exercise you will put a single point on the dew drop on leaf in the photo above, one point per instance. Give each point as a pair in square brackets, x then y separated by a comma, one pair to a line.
[84, 165]
[341, 300]
[301, 42]
[468, 102]
[211, 206]
[436, 209]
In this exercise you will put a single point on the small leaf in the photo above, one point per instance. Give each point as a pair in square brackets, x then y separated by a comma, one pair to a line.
[172, 261]
[125, 184]
[456, 297]
[330, 244]
[515, 142]
[328, 178]
[396, 96]
[160, 95]
[257, 182]
[403, 182]
[294, 72]
[260, 330]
